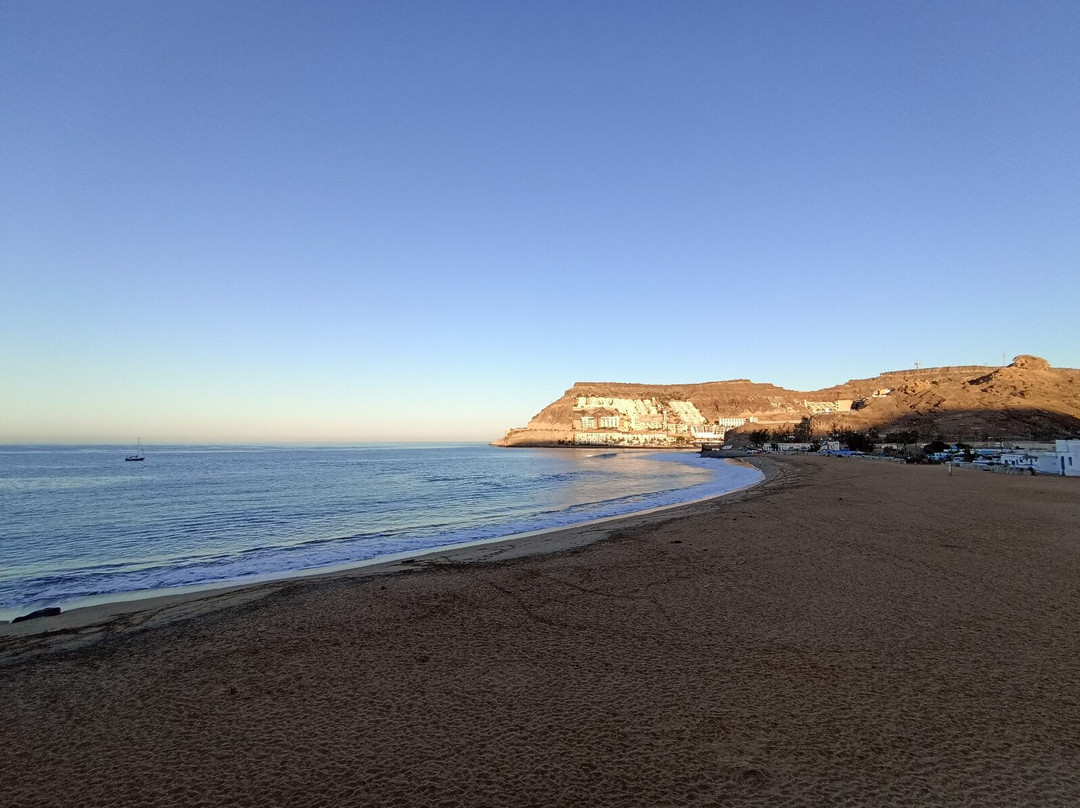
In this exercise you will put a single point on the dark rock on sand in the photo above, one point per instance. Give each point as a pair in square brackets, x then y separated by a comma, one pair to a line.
[51, 611]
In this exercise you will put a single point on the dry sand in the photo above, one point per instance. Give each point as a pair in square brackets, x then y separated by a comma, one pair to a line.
[849, 633]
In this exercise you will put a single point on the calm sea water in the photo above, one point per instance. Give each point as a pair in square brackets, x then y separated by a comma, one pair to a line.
[78, 522]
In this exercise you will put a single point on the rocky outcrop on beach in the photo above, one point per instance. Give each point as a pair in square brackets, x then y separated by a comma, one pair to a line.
[50, 611]
[1027, 399]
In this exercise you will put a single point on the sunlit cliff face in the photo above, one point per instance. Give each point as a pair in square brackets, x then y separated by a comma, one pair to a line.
[1026, 399]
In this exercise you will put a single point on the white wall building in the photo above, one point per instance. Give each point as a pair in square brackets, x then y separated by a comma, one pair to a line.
[621, 439]
[1065, 459]
[731, 423]
[1038, 462]
[1068, 454]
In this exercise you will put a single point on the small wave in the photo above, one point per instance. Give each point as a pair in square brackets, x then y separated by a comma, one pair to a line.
[244, 533]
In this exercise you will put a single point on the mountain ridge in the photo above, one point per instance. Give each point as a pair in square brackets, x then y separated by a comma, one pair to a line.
[1027, 399]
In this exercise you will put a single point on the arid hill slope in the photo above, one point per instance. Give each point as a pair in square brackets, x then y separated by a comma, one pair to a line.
[1027, 399]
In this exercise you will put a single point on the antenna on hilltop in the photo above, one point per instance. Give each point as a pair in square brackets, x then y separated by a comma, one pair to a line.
[916, 366]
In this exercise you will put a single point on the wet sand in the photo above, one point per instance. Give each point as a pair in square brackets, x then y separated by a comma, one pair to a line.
[848, 633]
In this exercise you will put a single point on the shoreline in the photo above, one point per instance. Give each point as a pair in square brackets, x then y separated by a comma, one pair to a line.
[92, 617]
[844, 633]
[438, 542]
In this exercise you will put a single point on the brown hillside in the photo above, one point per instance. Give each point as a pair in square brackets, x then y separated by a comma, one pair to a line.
[1025, 400]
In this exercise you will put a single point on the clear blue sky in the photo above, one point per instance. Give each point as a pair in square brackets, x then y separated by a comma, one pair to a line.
[257, 221]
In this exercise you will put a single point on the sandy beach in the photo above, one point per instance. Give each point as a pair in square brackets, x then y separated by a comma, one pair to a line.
[847, 633]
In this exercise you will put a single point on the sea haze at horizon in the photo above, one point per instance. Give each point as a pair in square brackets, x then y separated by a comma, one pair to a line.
[81, 523]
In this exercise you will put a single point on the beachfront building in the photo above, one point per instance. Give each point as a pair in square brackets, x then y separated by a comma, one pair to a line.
[788, 446]
[709, 432]
[1035, 462]
[621, 439]
[1068, 455]
[1064, 459]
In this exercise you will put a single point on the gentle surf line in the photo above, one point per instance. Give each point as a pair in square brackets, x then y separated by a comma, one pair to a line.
[391, 559]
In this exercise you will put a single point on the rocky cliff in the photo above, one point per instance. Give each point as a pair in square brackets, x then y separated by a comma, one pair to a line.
[1027, 399]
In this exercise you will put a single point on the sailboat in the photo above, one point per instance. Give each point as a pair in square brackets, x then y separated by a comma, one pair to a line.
[138, 453]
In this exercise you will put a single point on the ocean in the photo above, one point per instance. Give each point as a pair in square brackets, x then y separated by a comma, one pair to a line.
[78, 524]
